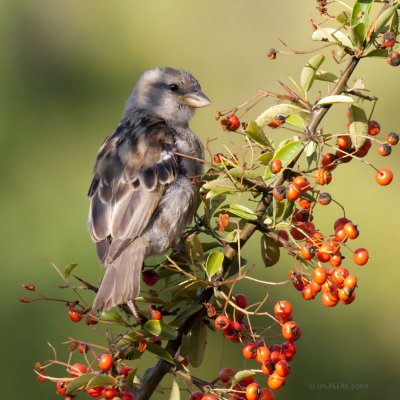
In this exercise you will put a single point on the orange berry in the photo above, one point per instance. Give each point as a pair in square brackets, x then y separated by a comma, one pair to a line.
[384, 176]
[361, 256]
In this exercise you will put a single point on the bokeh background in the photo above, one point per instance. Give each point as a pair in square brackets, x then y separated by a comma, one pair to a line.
[67, 69]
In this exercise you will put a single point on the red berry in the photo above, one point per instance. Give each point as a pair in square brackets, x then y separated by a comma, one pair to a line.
[241, 300]
[129, 396]
[308, 293]
[77, 369]
[61, 388]
[328, 301]
[307, 251]
[289, 350]
[266, 394]
[283, 309]
[344, 142]
[393, 59]
[373, 128]
[384, 149]
[388, 39]
[226, 374]
[282, 368]
[74, 316]
[278, 121]
[319, 275]
[328, 161]
[351, 230]
[361, 256]
[275, 381]
[217, 158]
[150, 277]
[95, 392]
[231, 122]
[196, 396]
[291, 331]
[105, 362]
[109, 393]
[263, 353]
[253, 391]
[323, 176]
[279, 192]
[249, 351]
[209, 396]
[292, 192]
[275, 166]
[302, 183]
[392, 138]
[384, 176]
[222, 322]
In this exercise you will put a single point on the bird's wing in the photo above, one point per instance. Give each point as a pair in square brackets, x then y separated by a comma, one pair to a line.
[132, 169]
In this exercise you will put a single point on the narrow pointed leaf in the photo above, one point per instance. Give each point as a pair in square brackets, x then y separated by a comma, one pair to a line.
[241, 375]
[188, 312]
[326, 76]
[79, 382]
[242, 211]
[360, 21]
[358, 125]
[101, 380]
[332, 35]
[255, 132]
[281, 109]
[160, 352]
[311, 153]
[69, 268]
[265, 158]
[270, 251]
[340, 98]
[384, 18]
[214, 263]
[296, 120]
[309, 71]
[160, 329]
[239, 172]
[198, 343]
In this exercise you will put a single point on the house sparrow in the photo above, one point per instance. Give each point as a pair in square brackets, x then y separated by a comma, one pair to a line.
[142, 195]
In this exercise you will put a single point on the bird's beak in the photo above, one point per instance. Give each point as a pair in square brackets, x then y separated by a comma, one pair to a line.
[196, 99]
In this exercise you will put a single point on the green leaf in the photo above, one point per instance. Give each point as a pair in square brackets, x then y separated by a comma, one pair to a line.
[311, 153]
[242, 212]
[255, 132]
[340, 98]
[198, 338]
[357, 33]
[286, 152]
[278, 208]
[69, 268]
[309, 71]
[130, 379]
[101, 380]
[332, 35]
[265, 158]
[358, 125]
[270, 251]
[221, 185]
[175, 392]
[160, 352]
[80, 381]
[326, 76]
[185, 314]
[241, 375]
[160, 329]
[281, 109]
[383, 53]
[239, 172]
[360, 21]
[288, 210]
[296, 120]
[214, 263]
[384, 18]
[110, 316]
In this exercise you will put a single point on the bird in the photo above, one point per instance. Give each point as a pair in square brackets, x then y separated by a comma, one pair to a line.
[143, 194]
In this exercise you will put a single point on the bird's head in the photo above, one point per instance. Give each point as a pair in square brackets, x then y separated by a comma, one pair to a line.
[168, 93]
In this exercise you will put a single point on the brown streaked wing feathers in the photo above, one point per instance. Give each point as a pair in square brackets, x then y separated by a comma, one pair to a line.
[132, 169]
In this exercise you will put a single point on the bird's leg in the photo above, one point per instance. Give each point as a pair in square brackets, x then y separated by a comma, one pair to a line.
[135, 311]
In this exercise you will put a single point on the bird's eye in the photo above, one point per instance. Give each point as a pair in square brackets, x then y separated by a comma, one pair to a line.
[173, 87]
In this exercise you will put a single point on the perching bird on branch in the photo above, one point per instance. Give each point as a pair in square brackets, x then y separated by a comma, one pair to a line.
[142, 195]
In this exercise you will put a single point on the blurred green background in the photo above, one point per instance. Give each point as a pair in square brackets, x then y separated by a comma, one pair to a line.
[67, 69]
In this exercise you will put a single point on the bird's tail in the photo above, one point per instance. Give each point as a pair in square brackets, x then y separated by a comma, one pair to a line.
[121, 282]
